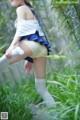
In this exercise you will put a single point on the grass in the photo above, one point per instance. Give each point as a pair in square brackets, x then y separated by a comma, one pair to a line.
[16, 99]
[66, 88]
[64, 85]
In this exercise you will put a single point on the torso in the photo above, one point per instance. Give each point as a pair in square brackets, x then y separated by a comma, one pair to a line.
[28, 13]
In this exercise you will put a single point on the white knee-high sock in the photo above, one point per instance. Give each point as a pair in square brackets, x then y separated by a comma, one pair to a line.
[41, 89]
[4, 61]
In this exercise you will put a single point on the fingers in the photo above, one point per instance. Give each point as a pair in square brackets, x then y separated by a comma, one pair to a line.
[8, 55]
[8, 51]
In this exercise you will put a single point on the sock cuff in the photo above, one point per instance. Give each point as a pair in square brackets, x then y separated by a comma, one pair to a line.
[3, 58]
[39, 80]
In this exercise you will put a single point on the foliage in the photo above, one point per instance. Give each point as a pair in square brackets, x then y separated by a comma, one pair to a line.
[2, 49]
[7, 16]
[62, 25]
[64, 85]
[16, 99]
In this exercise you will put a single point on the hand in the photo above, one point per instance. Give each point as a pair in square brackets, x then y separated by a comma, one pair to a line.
[9, 50]
[28, 67]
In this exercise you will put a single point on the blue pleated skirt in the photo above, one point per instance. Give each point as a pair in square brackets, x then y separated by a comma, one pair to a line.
[35, 37]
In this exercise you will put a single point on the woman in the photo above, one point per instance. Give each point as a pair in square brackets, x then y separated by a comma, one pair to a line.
[28, 43]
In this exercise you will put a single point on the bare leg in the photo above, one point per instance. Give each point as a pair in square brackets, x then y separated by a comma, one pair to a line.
[40, 67]
[27, 52]
[4, 61]
[40, 71]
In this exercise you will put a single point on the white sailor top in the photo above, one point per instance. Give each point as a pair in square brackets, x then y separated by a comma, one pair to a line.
[27, 27]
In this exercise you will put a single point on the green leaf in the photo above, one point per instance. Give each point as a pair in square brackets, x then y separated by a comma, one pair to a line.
[76, 112]
[56, 57]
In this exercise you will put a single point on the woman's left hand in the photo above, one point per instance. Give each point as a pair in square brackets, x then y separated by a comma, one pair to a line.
[9, 50]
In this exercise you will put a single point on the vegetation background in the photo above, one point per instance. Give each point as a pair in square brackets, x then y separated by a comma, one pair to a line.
[18, 95]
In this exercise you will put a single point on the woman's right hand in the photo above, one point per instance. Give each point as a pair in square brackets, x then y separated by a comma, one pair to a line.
[9, 50]
[28, 67]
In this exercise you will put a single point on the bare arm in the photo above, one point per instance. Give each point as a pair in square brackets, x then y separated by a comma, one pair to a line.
[23, 12]
[20, 15]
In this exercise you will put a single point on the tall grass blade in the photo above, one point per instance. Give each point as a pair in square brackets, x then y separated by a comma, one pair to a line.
[76, 112]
